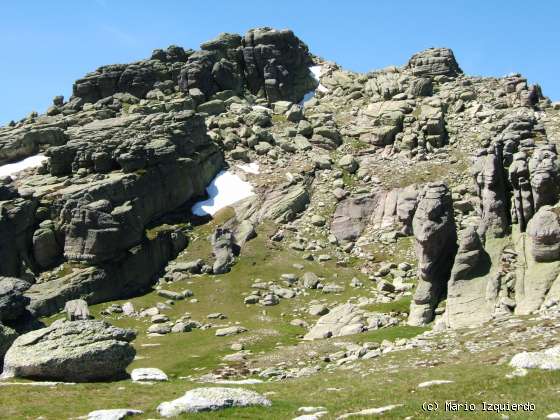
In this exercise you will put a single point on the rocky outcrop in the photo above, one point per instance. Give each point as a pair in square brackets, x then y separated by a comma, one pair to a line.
[22, 142]
[435, 244]
[277, 62]
[135, 79]
[434, 62]
[382, 210]
[134, 273]
[78, 351]
[270, 63]
[347, 319]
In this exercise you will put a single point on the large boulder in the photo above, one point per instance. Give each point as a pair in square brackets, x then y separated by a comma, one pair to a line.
[77, 351]
[544, 234]
[347, 319]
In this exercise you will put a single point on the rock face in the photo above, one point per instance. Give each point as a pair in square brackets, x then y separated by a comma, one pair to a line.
[474, 283]
[434, 62]
[382, 210]
[133, 170]
[123, 278]
[277, 62]
[513, 167]
[78, 351]
[211, 399]
[435, 243]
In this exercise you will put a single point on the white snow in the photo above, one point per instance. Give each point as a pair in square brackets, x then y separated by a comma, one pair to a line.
[227, 188]
[250, 168]
[261, 107]
[316, 71]
[11, 169]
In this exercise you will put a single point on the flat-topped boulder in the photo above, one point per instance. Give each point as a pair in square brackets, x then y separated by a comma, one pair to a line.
[73, 351]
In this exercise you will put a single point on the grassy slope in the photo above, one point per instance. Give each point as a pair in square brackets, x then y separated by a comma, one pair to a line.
[371, 384]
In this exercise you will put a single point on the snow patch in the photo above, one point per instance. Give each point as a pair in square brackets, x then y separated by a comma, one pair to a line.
[227, 188]
[251, 168]
[316, 72]
[11, 169]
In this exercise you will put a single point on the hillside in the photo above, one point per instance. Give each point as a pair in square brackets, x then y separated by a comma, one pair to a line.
[248, 215]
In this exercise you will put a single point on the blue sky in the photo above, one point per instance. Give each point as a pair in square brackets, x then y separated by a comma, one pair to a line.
[46, 45]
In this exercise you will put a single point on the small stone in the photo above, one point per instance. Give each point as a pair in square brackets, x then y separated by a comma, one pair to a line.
[148, 374]
[225, 332]
[318, 310]
[318, 220]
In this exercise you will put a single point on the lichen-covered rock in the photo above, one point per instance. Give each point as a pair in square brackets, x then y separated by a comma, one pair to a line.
[78, 351]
